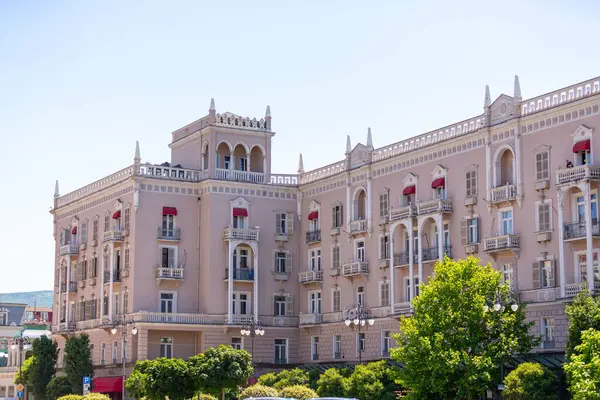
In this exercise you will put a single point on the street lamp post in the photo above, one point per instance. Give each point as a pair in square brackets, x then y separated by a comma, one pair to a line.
[19, 342]
[359, 316]
[500, 305]
[123, 323]
[252, 329]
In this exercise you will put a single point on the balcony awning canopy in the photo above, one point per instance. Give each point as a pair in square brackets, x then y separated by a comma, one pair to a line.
[583, 145]
[240, 212]
[409, 190]
[117, 214]
[108, 384]
[438, 182]
[313, 215]
[74, 230]
[169, 211]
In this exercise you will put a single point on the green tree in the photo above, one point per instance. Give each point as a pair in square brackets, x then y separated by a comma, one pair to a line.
[530, 381]
[71, 397]
[258, 390]
[221, 368]
[291, 377]
[160, 378]
[136, 383]
[583, 370]
[372, 381]
[25, 370]
[203, 396]
[298, 392]
[331, 384]
[584, 314]
[59, 386]
[43, 367]
[451, 348]
[78, 361]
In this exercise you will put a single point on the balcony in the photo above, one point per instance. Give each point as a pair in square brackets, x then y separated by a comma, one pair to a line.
[402, 308]
[242, 176]
[401, 259]
[239, 319]
[66, 327]
[310, 276]
[383, 263]
[432, 253]
[359, 226]
[116, 276]
[177, 318]
[576, 174]
[311, 319]
[68, 249]
[577, 230]
[175, 274]
[503, 193]
[573, 289]
[240, 234]
[280, 361]
[168, 234]
[353, 268]
[443, 206]
[241, 274]
[497, 244]
[313, 236]
[403, 212]
[114, 235]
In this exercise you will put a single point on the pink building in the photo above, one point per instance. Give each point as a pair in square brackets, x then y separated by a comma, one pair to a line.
[201, 244]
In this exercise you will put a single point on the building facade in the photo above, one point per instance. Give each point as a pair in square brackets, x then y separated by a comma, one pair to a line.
[190, 250]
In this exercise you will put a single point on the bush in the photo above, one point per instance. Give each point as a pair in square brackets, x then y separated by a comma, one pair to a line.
[96, 396]
[71, 397]
[298, 392]
[258, 390]
[583, 370]
[372, 381]
[289, 377]
[204, 396]
[530, 381]
[331, 384]
[268, 379]
[59, 387]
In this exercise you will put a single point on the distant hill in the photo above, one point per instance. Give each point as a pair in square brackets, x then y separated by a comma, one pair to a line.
[42, 298]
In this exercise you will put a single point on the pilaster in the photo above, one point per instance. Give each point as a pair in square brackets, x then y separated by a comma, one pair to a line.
[230, 283]
[561, 244]
[588, 237]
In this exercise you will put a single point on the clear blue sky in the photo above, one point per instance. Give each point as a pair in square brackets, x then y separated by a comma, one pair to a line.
[80, 82]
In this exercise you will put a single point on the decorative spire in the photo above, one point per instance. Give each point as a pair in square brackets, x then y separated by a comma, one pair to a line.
[212, 104]
[517, 90]
[268, 112]
[488, 100]
[348, 145]
[300, 165]
[56, 192]
[369, 138]
[137, 151]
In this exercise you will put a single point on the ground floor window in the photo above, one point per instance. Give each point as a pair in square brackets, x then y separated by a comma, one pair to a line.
[280, 351]
[166, 347]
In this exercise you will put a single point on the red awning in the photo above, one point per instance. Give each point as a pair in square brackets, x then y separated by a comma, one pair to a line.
[117, 214]
[439, 182]
[169, 211]
[74, 231]
[313, 215]
[240, 212]
[409, 190]
[584, 145]
[108, 384]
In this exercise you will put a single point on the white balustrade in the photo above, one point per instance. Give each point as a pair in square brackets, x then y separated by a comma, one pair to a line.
[284, 180]
[503, 242]
[235, 175]
[241, 234]
[169, 273]
[239, 319]
[578, 173]
[309, 319]
[112, 235]
[94, 187]
[434, 206]
[403, 212]
[68, 249]
[358, 226]
[310, 276]
[172, 173]
[561, 96]
[355, 268]
[323, 172]
[176, 318]
[503, 193]
[231, 120]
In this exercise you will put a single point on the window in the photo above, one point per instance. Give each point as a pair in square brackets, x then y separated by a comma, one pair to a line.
[472, 230]
[126, 261]
[166, 347]
[581, 207]
[243, 163]
[383, 204]
[314, 302]
[581, 261]
[315, 348]
[506, 222]
[384, 247]
[407, 296]
[241, 303]
[226, 161]
[125, 302]
[95, 230]
[115, 351]
[360, 342]
[384, 294]
[335, 256]
[542, 165]
[385, 343]
[336, 303]
[360, 295]
[3, 317]
[167, 302]
[280, 351]
[337, 216]
[105, 305]
[102, 351]
[84, 233]
[126, 217]
[94, 271]
[168, 226]
[547, 332]
[280, 306]
[315, 259]
[284, 223]
[508, 275]
[439, 192]
[83, 269]
[337, 347]
[236, 343]
[543, 214]
[240, 258]
[168, 257]
[93, 310]
[106, 223]
[471, 183]
[360, 251]
[283, 262]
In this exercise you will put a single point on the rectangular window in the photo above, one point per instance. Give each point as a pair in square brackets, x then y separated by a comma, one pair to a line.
[284, 223]
[168, 226]
[547, 273]
[337, 347]
[548, 332]
[542, 165]
[168, 257]
[116, 309]
[360, 295]
[543, 216]
[239, 222]
[337, 216]
[335, 256]
[384, 247]
[407, 296]
[282, 261]
[471, 183]
[115, 351]
[315, 348]
[84, 269]
[84, 233]
[102, 352]
[315, 260]
[581, 261]
[383, 205]
[507, 222]
[314, 302]
[241, 303]
[581, 208]
[385, 343]
[243, 164]
[94, 272]
[361, 342]
[236, 343]
[167, 303]
[508, 275]
[126, 217]
[280, 351]
[360, 251]
[336, 300]
[126, 261]
[280, 306]
[166, 347]
[384, 294]
[95, 230]
[106, 223]
[93, 309]
[473, 230]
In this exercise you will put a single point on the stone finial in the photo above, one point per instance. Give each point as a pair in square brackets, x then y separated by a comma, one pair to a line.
[56, 192]
[212, 105]
[488, 99]
[268, 112]
[517, 89]
[137, 151]
[369, 138]
[348, 145]
[300, 165]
